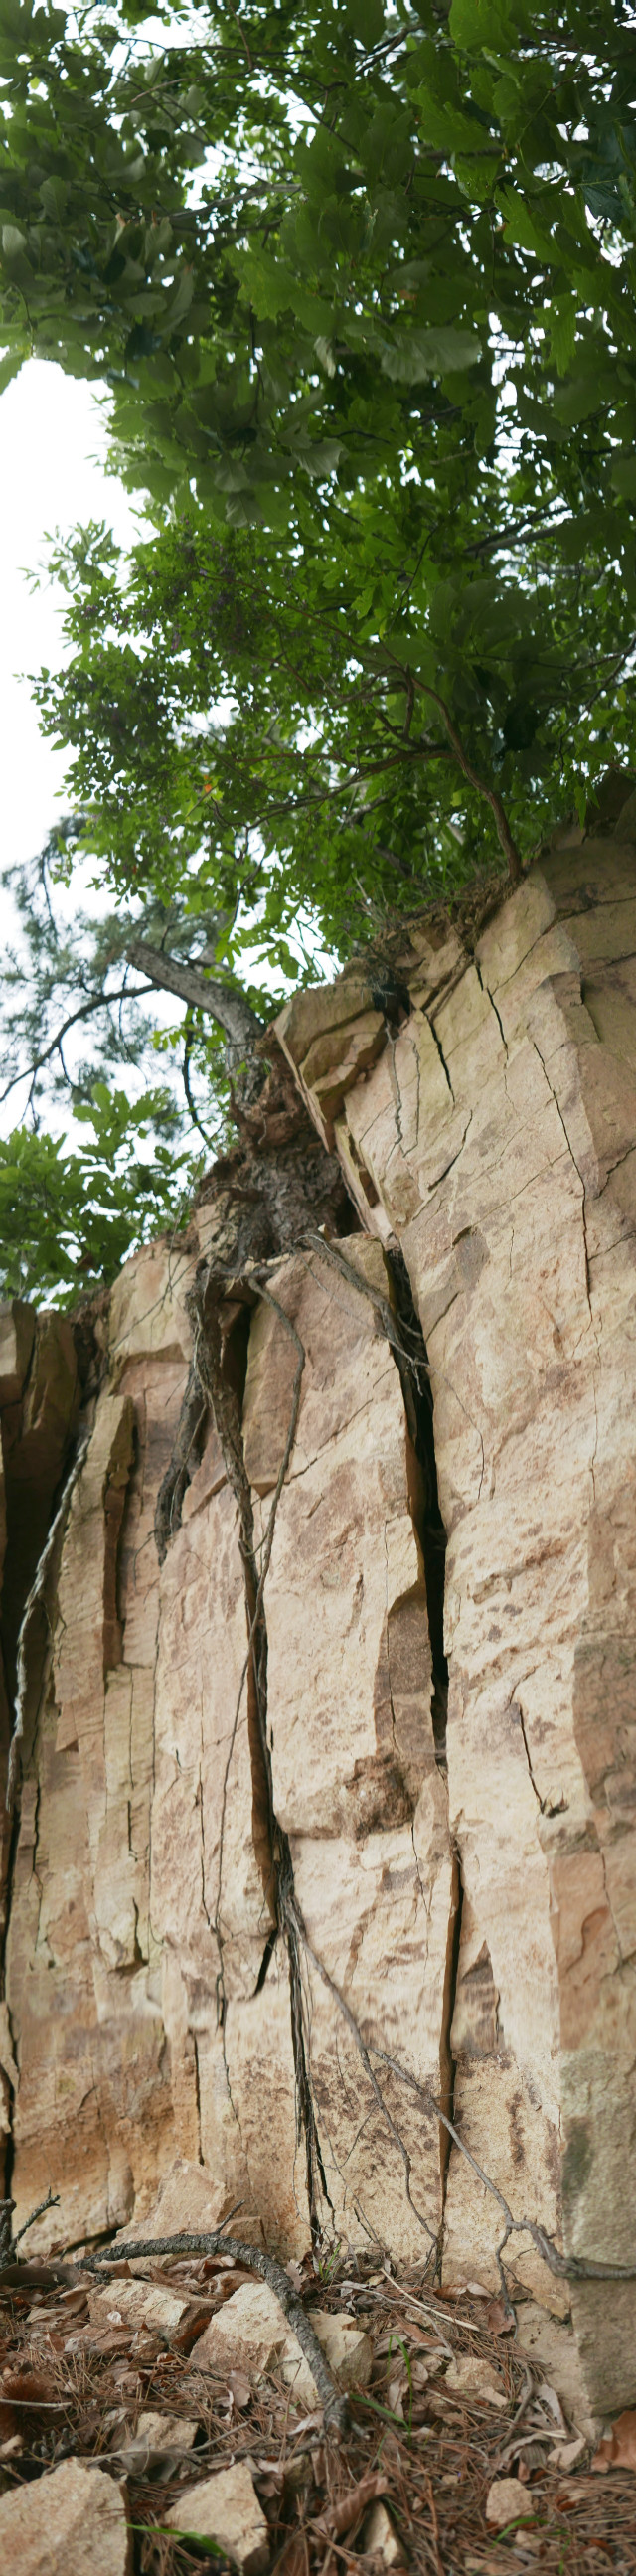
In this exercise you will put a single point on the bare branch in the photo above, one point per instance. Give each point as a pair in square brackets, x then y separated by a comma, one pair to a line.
[334, 2407]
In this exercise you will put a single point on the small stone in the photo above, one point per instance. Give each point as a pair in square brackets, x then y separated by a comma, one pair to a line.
[166, 2432]
[251, 2334]
[70, 2522]
[144, 2304]
[225, 2508]
[476, 2379]
[380, 2539]
[347, 2350]
[508, 2501]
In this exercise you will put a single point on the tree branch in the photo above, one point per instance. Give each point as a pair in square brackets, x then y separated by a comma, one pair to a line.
[223, 1002]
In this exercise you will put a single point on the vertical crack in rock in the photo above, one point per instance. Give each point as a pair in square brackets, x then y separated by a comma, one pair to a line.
[271, 1844]
[412, 1365]
[447, 2063]
[418, 1405]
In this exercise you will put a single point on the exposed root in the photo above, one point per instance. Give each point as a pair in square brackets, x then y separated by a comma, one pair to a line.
[334, 2407]
[363, 2053]
[566, 2267]
[185, 1457]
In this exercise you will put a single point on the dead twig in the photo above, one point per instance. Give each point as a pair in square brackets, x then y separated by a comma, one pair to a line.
[334, 2406]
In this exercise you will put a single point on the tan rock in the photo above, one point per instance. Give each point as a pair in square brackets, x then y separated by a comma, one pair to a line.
[168, 2432]
[551, 2342]
[347, 2350]
[251, 2333]
[70, 2522]
[145, 2306]
[148, 1995]
[510, 1180]
[225, 2508]
[189, 2201]
[509, 2501]
[474, 2378]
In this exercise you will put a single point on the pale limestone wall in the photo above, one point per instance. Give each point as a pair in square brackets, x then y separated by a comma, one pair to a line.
[493, 1138]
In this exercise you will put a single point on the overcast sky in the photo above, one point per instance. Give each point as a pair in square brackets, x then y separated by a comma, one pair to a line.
[52, 446]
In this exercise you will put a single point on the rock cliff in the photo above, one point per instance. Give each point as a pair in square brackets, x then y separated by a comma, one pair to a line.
[280, 1926]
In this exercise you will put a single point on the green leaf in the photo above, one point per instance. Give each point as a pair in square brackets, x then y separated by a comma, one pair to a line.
[562, 331]
[522, 227]
[624, 475]
[430, 353]
[473, 23]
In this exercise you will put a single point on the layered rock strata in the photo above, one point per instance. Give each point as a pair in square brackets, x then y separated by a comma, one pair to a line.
[465, 1933]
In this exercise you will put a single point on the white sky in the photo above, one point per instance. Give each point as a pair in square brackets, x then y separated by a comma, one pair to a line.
[52, 446]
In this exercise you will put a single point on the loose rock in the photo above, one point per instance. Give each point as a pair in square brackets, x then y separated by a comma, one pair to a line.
[508, 2501]
[225, 2508]
[252, 2334]
[70, 2523]
[474, 2379]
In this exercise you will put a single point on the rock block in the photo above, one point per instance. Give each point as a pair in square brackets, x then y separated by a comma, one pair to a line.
[225, 2508]
[251, 2334]
[71, 2522]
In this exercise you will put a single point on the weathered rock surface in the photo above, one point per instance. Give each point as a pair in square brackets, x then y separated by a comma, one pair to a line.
[143, 1899]
[463, 1935]
[495, 1139]
[72, 2522]
[251, 2334]
[225, 2508]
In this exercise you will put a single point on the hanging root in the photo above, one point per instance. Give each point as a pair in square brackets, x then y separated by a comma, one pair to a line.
[185, 1458]
[334, 2407]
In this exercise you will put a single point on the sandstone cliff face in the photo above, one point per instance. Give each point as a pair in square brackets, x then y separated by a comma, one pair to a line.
[471, 1924]
[495, 1137]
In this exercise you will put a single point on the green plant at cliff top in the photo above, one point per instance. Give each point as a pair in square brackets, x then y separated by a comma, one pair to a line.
[68, 1220]
[360, 281]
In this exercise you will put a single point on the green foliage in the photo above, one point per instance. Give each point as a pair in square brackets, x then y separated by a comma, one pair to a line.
[361, 282]
[68, 1220]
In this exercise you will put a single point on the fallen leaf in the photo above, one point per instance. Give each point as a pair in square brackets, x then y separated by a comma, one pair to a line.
[500, 2318]
[618, 2450]
[564, 2454]
[549, 2398]
[294, 2559]
[340, 2517]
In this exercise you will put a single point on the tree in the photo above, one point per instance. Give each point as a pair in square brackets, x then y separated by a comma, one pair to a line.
[361, 283]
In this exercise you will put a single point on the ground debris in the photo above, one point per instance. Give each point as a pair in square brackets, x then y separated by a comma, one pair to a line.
[407, 2485]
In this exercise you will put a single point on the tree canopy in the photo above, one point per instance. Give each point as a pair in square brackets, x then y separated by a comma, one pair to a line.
[359, 280]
